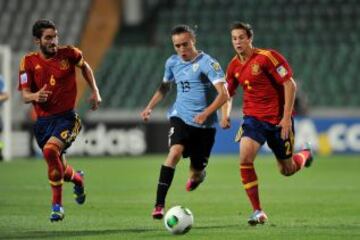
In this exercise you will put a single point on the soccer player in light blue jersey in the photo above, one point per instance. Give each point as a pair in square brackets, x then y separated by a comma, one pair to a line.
[201, 90]
[3, 97]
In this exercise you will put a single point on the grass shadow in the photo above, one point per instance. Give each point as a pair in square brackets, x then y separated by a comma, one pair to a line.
[84, 233]
[69, 234]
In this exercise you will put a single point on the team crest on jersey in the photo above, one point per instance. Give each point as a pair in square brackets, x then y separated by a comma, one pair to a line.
[281, 70]
[195, 67]
[216, 66]
[37, 67]
[237, 75]
[64, 134]
[64, 64]
[255, 69]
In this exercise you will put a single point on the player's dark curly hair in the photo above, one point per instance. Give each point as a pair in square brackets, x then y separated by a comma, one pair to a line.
[40, 25]
[182, 28]
[245, 26]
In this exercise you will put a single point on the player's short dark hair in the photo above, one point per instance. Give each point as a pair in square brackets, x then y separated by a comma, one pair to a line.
[182, 28]
[40, 25]
[245, 26]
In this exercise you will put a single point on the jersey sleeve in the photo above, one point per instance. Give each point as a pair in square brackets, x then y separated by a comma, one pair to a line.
[168, 73]
[25, 74]
[76, 56]
[213, 71]
[278, 67]
[231, 82]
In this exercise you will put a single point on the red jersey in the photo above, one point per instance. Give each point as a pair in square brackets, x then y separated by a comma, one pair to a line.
[261, 77]
[58, 73]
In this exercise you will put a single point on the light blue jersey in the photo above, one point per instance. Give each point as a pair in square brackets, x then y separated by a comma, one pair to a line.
[2, 89]
[2, 84]
[194, 84]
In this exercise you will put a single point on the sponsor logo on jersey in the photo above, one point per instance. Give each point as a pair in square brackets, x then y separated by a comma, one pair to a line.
[281, 70]
[255, 69]
[37, 67]
[23, 78]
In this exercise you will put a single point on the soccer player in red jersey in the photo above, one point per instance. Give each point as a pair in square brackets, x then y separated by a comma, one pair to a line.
[47, 80]
[268, 99]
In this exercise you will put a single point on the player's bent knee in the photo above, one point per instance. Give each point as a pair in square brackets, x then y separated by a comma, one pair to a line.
[55, 175]
[175, 152]
[51, 151]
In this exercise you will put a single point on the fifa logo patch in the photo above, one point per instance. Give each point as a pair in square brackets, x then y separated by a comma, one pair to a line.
[281, 71]
[215, 66]
[23, 78]
[255, 69]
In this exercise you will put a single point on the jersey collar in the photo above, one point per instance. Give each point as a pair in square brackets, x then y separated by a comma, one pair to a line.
[195, 59]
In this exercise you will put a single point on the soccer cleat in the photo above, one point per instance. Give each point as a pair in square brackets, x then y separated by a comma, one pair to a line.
[258, 217]
[79, 191]
[192, 185]
[57, 213]
[308, 147]
[158, 212]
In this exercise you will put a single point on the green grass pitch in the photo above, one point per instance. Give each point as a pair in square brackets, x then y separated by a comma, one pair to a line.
[322, 202]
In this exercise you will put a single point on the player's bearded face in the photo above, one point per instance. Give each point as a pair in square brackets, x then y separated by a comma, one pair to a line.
[49, 42]
[184, 45]
[240, 40]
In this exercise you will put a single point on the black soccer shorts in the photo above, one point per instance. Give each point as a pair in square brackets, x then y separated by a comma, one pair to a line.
[197, 142]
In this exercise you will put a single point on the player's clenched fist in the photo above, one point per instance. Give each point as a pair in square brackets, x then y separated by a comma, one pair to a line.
[42, 95]
[145, 114]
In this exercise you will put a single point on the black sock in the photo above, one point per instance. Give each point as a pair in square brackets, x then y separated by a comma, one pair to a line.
[165, 179]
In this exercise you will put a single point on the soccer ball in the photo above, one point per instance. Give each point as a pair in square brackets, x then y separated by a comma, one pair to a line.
[178, 220]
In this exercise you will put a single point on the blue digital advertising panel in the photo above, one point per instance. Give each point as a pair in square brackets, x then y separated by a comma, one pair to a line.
[327, 136]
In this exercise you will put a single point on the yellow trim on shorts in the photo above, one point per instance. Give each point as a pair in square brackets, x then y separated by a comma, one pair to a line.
[239, 135]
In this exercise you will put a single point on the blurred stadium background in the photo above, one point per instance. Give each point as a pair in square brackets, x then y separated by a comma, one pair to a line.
[127, 43]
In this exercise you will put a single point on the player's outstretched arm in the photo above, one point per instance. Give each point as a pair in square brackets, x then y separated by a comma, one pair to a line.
[220, 99]
[95, 98]
[225, 122]
[156, 98]
[40, 96]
